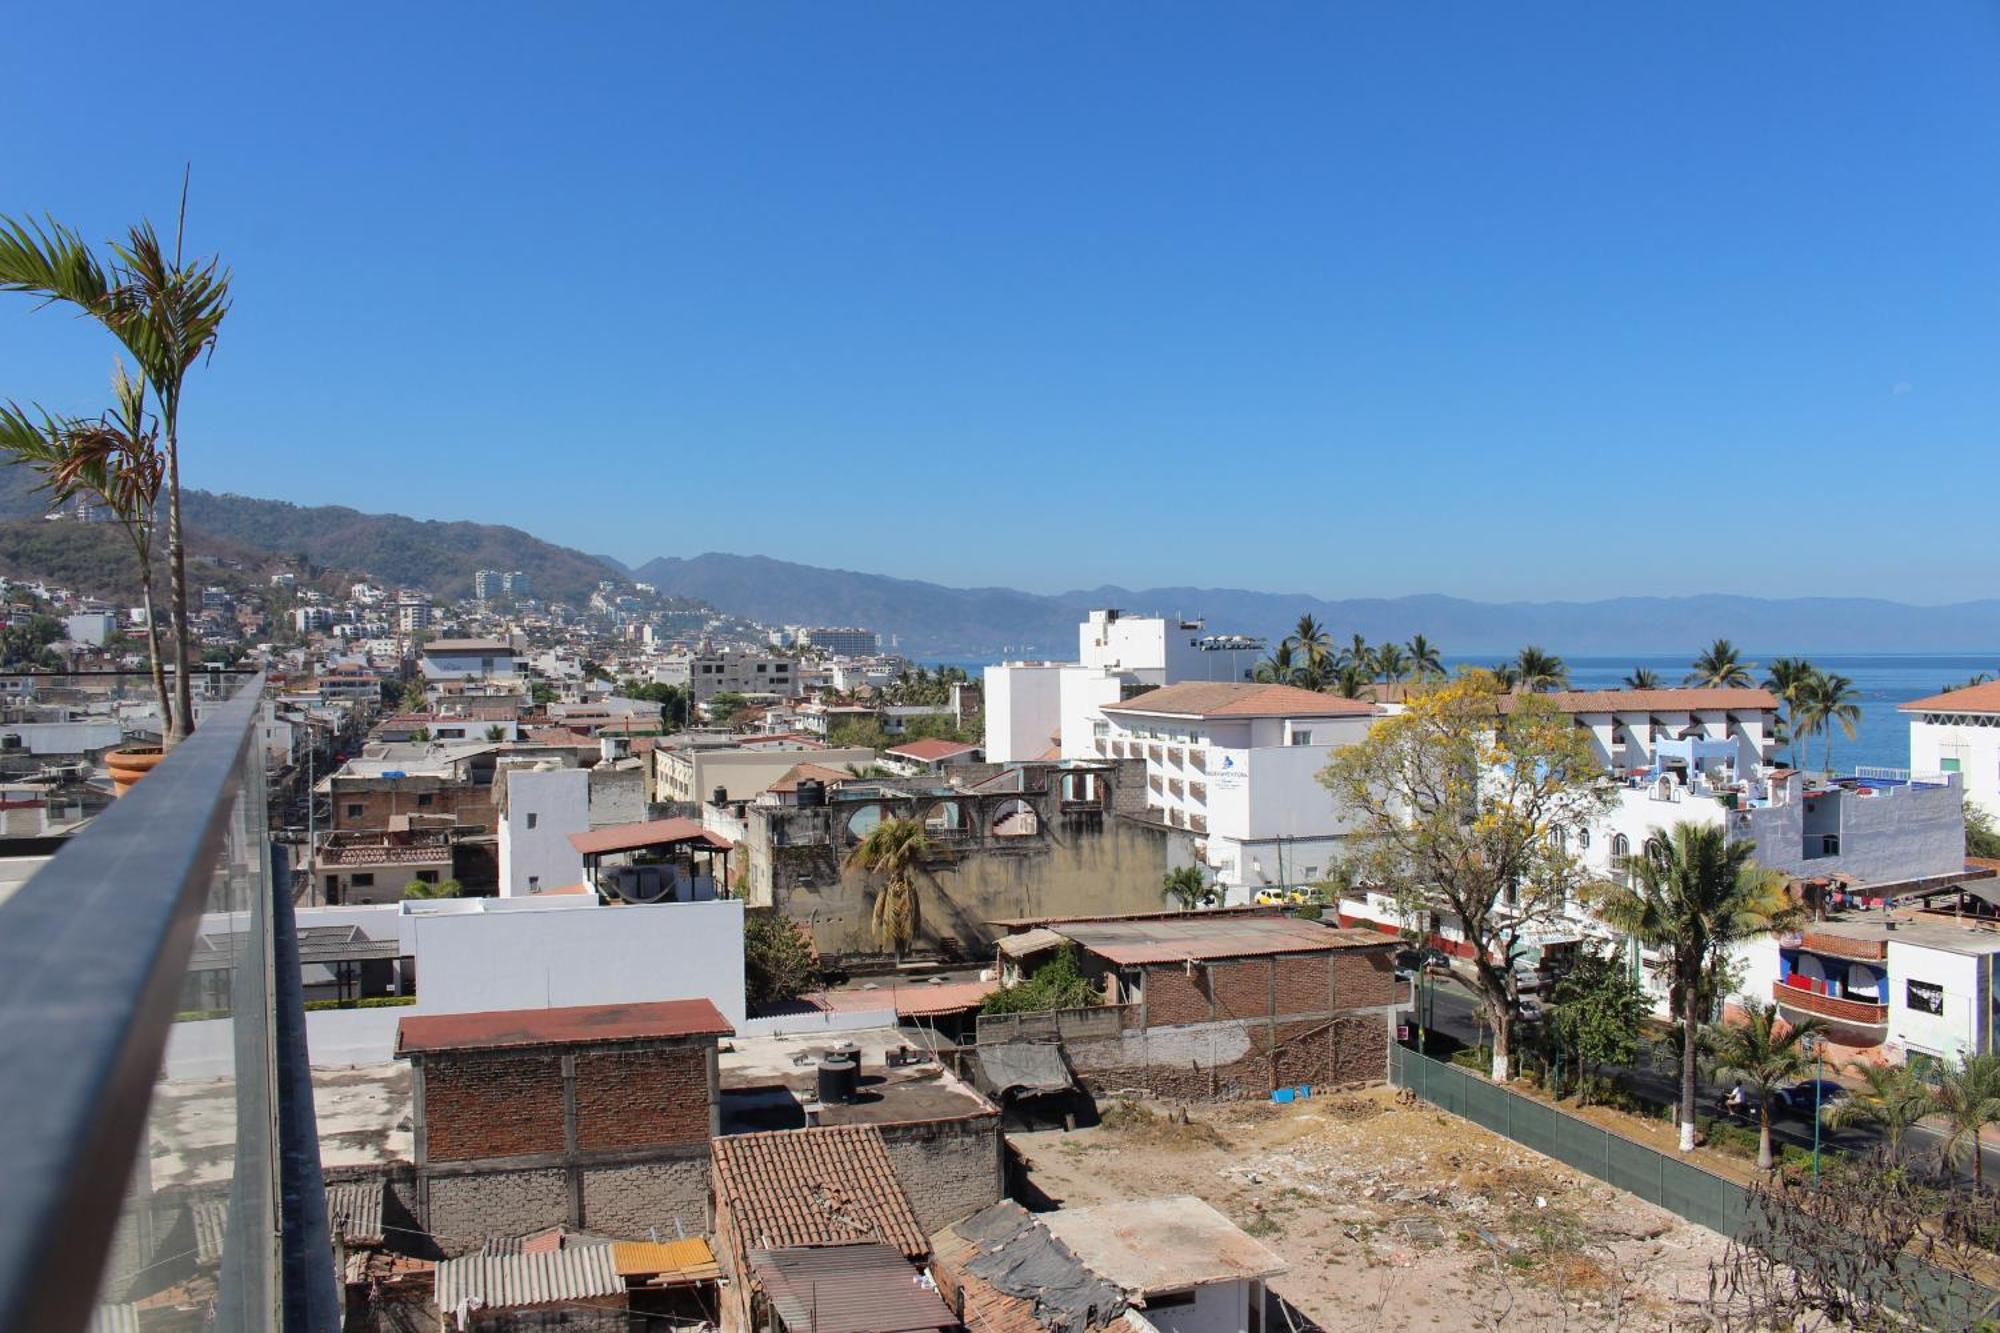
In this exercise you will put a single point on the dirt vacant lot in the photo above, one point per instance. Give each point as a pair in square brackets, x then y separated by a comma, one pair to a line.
[1394, 1216]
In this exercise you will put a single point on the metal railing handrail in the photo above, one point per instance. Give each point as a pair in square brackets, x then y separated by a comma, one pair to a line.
[92, 953]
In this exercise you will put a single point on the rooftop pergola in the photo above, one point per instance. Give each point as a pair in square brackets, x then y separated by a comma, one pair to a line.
[658, 841]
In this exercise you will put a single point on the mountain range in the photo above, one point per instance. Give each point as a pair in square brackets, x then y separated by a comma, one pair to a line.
[932, 620]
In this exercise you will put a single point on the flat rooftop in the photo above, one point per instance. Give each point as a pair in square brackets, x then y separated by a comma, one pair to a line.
[573, 1025]
[1938, 931]
[767, 1083]
[1153, 1246]
[364, 1116]
[1178, 937]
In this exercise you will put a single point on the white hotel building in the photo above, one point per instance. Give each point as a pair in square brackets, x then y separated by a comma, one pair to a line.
[1036, 710]
[1237, 766]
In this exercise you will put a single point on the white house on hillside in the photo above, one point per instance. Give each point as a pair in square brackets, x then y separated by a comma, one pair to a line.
[1958, 732]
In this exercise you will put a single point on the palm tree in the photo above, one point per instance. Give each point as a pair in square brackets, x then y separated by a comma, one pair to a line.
[1893, 1097]
[1188, 887]
[1536, 670]
[1642, 678]
[1829, 698]
[892, 851]
[1720, 667]
[1767, 1054]
[1505, 675]
[1789, 678]
[1313, 651]
[1350, 681]
[1426, 662]
[1392, 663]
[115, 460]
[1692, 895]
[1279, 668]
[1967, 1096]
[1357, 652]
[166, 312]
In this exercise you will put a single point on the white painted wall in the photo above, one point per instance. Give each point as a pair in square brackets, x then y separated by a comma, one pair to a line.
[1085, 691]
[542, 808]
[1220, 1307]
[1971, 744]
[539, 955]
[1957, 1029]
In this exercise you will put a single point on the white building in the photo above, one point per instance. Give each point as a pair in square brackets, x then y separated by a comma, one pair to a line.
[459, 659]
[1959, 732]
[92, 627]
[537, 809]
[840, 641]
[1237, 765]
[729, 671]
[311, 619]
[1044, 705]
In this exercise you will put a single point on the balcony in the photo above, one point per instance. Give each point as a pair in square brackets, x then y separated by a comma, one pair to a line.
[1849, 1017]
[95, 952]
[1198, 760]
[1842, 946]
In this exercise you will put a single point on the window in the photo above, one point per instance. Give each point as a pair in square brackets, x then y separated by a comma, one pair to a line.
[1300, 738]
[533, 819]
[354, 809]
[425, 799]
[534, 884]
[427, 877]
[1583, 839]
[361, 881]
[1948, 765]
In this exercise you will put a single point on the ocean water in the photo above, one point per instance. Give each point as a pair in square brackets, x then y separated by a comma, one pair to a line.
[1882, 681]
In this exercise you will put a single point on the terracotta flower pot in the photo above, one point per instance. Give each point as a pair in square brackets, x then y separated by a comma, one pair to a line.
[131, 763]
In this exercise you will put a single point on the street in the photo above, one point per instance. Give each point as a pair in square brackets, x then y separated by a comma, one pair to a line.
[1452, 1011]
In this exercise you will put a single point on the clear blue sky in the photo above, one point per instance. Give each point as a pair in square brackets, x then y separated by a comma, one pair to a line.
[1507, 301]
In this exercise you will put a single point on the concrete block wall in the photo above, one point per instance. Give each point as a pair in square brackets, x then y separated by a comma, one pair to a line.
[950, 1169]
[638, 1199]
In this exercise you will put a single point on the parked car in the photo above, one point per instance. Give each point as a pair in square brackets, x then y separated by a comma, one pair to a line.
[1798, 1098]
[1531, 1009]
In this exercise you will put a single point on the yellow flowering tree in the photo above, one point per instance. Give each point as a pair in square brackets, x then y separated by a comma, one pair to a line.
[1466, 807]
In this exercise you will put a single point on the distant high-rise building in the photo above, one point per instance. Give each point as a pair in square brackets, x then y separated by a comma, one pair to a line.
[487, 584]
[518, 584]
[840, 641]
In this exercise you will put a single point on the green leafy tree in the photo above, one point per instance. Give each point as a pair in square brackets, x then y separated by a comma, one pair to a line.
[1280, 668]
[116, 461]
[540, 693]
[1981, 838]
[1720, 666]
[1830, 699]
[1392, 663]
[778, 961]
[1890, 1097]
[723, 708]
[1058, 983]
[1312, 652]
[415, 698]
[1426, 662]
[166, 312]
[1594, 1014]
[1465, 805]
[1967, 1098]
[1350, 680]
[936, 727]
[444, 888]
[855, 734]
[1187, 887]
[892, 852]
[1539, 671]
[1767, 1053]
[1642, 678]
[26, 647]
[1790, 679]
[1693, 895]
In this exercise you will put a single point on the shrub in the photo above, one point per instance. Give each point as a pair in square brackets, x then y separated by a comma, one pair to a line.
[370, 1002]
[778, 961]
[1479, 1059]
[1056, 984]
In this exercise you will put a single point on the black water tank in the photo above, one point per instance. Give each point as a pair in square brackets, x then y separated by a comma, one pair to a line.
[838, 1077]
[812, 792]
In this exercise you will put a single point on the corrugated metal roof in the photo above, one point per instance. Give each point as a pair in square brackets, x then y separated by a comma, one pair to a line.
[354, 1210]
[211, 1224]
[114, 1319]
[850, 1289]
[673, 1261]
[653, 833]
[528, 1279]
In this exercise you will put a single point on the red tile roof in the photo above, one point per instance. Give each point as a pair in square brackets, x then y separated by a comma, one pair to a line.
[829, 1185]
[1200, 698]
[654, 833]
[1983, 698]
[581, 1025]
[930, 749]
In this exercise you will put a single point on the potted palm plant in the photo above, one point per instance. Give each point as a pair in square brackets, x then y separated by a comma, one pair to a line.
[115, 460]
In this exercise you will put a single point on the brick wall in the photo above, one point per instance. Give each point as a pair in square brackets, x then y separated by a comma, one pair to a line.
[1172, 996]
[464, 802]
[1302, 983]
[950, 1168]
[1363, 978]
[628, 1099]
[493, 1104]
[1243, 989]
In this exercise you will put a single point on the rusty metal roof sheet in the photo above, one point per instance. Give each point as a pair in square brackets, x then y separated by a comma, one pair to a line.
[656, 833]
[574, 1274]
[828, 1185]
[850, 1289]
[574, 1026]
